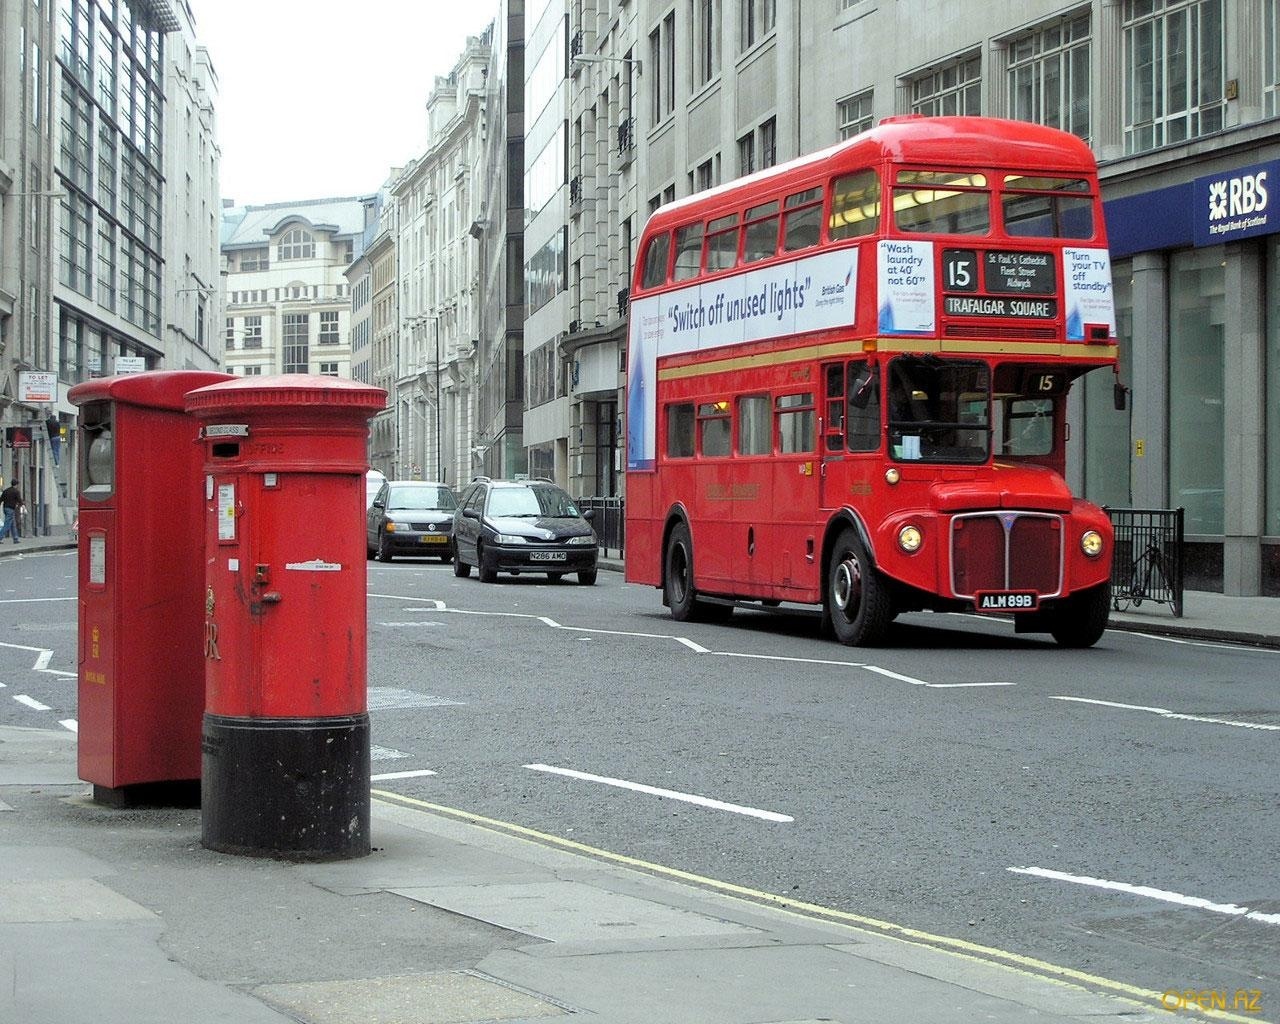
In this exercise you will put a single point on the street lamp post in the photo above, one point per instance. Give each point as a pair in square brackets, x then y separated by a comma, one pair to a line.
[435, 321]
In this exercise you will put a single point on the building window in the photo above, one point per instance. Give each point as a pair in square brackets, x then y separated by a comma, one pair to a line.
[328, 369]
[1174, 54]
[662, 57]
[329, 328]
[253, 332]
[952, 88]
[296, 245]
[705, 52]
[855, 114]
[769, 143]
[1049, 76]
[253, 371]
[74, 260]
[230, 343]
[705, 176]
[747, 154]
[106, 275]
[757, 19]
[255, 259]
[296, 329]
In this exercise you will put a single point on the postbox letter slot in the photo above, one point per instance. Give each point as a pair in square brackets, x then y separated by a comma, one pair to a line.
[226, 450]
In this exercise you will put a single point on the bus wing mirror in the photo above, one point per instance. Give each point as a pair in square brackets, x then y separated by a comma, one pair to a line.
[862, 393]
[1121, 397]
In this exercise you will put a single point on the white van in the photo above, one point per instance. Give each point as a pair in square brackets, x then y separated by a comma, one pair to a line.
[373, 481]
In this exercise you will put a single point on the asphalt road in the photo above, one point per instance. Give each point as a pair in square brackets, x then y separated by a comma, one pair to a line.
[1113, 811]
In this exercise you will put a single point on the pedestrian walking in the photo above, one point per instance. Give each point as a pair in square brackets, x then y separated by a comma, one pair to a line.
[14, 506]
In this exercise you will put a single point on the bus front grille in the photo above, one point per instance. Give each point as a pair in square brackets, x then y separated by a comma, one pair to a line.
[1006, 551]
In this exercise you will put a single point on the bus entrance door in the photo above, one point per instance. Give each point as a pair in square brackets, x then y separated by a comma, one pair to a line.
[831, 446]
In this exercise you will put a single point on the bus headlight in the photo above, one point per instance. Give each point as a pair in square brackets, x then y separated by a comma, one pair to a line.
[910, 539]
[1091, 543]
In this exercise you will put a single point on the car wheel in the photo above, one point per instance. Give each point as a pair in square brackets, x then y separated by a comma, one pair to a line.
[460, 568]
[587, 577]
[384, 548]
[858, 601]
[487, 570]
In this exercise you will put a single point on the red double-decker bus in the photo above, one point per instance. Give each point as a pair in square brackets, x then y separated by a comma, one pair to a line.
[847, 383]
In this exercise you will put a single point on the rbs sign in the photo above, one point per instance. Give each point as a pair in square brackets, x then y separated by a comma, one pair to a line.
[1236, 204]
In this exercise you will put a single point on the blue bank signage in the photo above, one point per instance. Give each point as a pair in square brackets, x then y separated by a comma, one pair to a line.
[1237, 204]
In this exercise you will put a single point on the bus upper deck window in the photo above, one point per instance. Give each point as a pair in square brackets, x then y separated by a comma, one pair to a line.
[802, 220]
[688, 252]
[761, 238]
[722, 242]
[855, 205]
[942, 203]
[1047, 207]
[655, 262]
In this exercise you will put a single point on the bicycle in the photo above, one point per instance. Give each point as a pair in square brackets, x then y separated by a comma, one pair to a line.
[1148, 568]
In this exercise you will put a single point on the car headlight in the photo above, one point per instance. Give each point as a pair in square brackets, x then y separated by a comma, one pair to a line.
[582, 540]
[508, 538]
[910, 538]
[1091, 543]
[392, 526]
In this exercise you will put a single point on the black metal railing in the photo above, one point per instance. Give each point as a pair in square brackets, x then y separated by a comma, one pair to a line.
[624, 302]
[577, 42]
[1148, 561]
[575, 190]
[627, 136]
[607, 522]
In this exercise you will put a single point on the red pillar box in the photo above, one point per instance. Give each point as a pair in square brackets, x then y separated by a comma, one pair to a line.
[141, 621]
[286, 724]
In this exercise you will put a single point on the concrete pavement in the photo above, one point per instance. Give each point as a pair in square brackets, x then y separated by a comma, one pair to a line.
[122, 917]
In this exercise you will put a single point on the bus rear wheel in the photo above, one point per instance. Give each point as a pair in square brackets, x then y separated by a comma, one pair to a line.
[858, 602]
[678, 590]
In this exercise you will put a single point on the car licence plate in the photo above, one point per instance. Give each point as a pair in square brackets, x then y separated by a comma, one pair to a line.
[432, 538]
[1006, 600]
[546, 556]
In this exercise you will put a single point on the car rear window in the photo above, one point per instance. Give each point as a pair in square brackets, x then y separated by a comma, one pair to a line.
[421, 496]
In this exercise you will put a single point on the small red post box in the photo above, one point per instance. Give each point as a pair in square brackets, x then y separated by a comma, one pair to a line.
[141, 621]
[286, 725]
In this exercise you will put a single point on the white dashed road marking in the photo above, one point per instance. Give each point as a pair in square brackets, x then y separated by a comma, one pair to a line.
[689, 798]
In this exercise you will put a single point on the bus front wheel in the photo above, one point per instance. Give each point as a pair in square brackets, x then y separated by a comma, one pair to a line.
[858, 601]
[1082, 619]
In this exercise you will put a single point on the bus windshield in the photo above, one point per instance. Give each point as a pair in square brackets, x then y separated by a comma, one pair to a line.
[939, 410]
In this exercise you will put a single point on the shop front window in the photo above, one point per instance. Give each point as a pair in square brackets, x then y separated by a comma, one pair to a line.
[1272, 426]
[1196, 449]
[1106, 429]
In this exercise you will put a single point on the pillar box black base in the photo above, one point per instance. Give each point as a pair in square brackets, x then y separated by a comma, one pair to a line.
[290, 788]
[175, 793]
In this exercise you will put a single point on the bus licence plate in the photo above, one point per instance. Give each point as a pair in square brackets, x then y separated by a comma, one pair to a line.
[1006, 601]
[546, 556]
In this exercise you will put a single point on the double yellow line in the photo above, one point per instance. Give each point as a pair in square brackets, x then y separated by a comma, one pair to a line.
[1028, 966]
